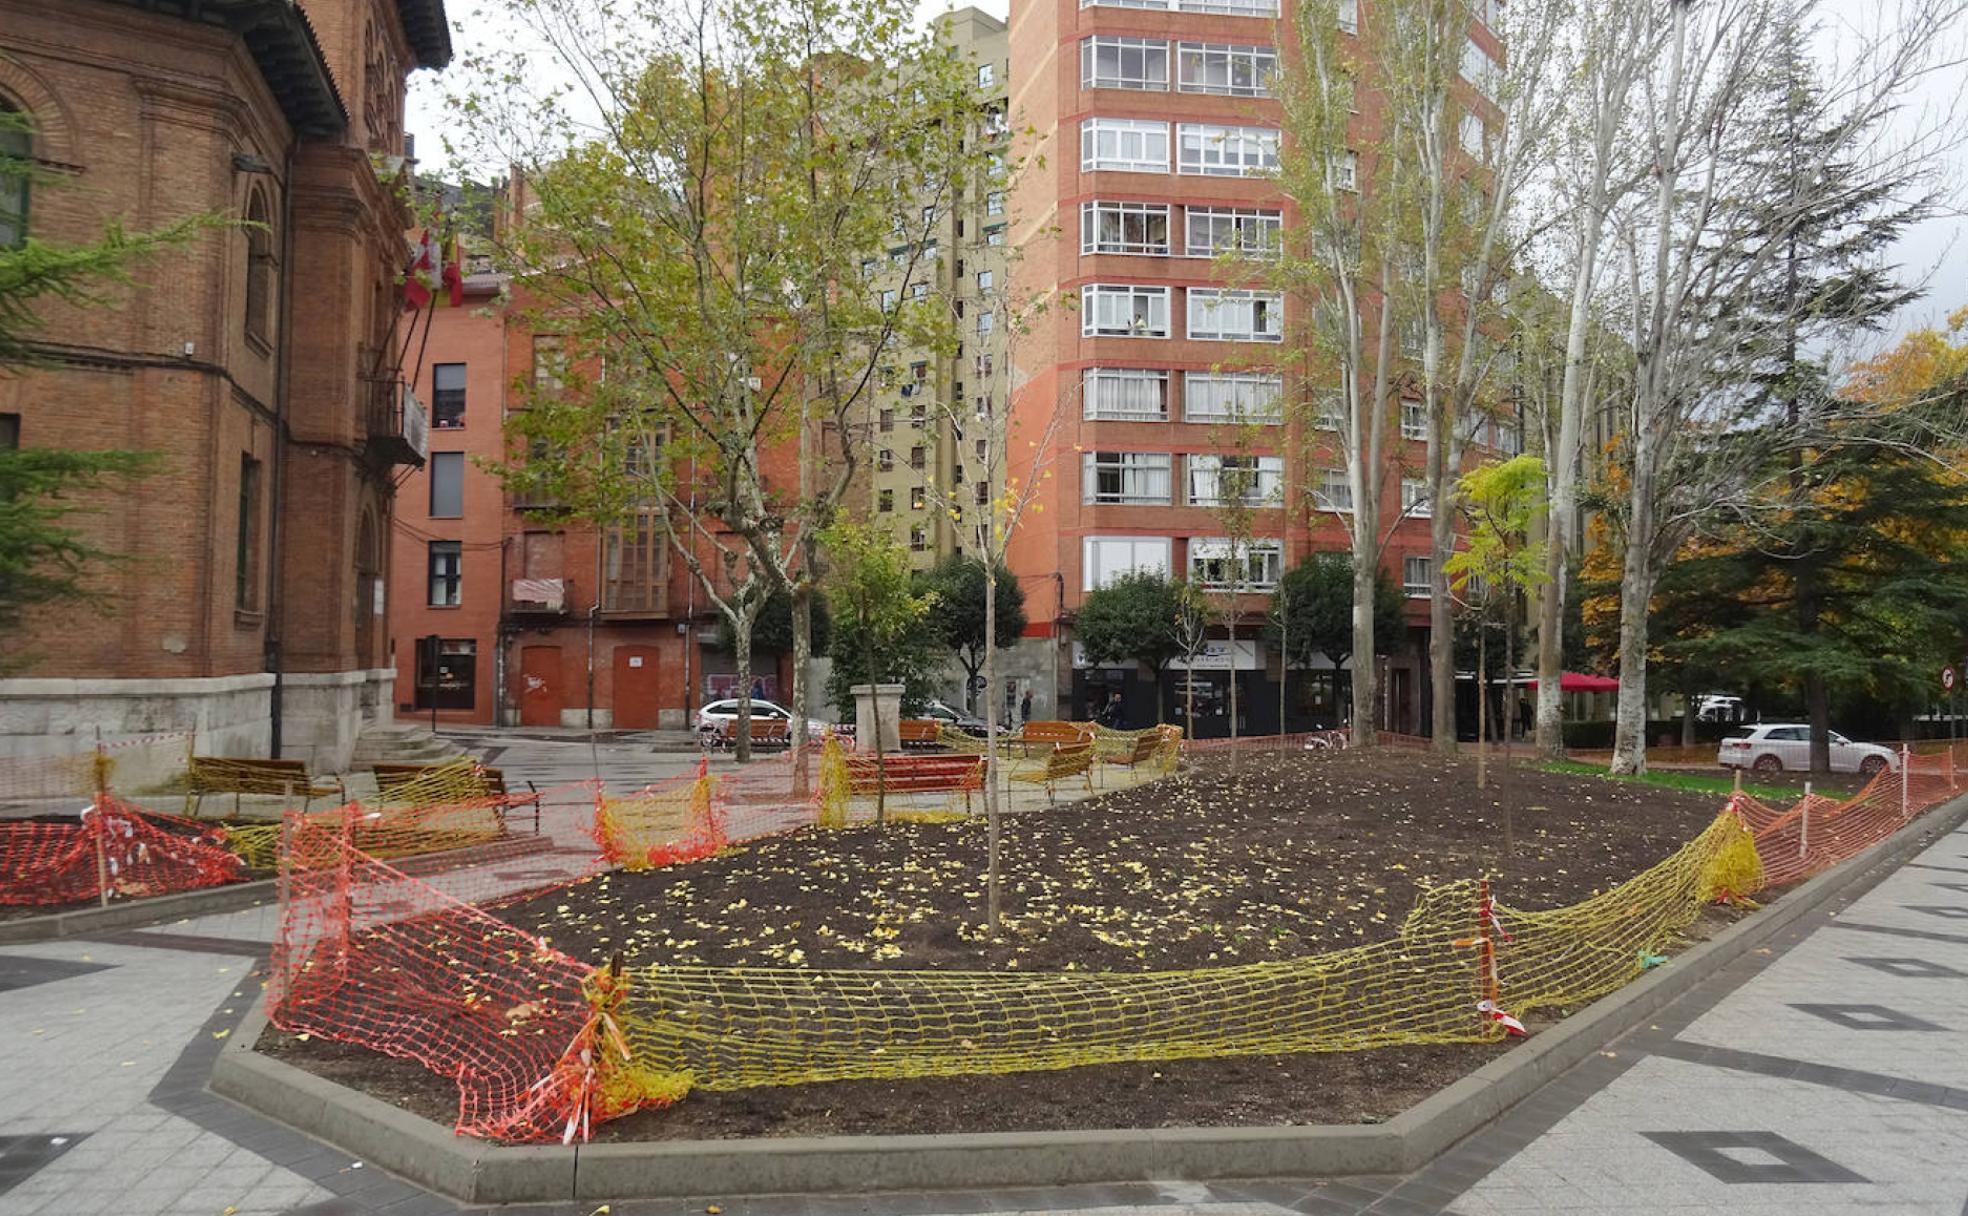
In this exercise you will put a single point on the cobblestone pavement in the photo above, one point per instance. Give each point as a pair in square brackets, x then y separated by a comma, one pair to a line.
[1826, 1073]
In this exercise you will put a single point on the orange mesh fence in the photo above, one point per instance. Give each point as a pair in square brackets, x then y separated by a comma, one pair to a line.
[661, 824]
[1815, 833]
[110, 849]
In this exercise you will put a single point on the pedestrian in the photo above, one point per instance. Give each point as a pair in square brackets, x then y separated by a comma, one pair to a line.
[1524, 715]
[1112, 715]
[1025, 707]
[758, 688]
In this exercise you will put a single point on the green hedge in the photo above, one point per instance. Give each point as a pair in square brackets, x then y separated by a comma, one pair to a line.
[1598, 736]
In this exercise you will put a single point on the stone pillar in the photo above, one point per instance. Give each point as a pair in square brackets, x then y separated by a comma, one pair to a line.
[865, 698]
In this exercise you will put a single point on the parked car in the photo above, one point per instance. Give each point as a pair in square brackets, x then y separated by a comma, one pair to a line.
[956, 719]
[1773, 748]
[717, 717]
[1720, 707]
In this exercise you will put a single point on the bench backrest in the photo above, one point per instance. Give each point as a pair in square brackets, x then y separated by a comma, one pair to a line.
[1068, 759]
[919, 730]
[1055, 732]
[395, 776]
[226, 774]
[762, 728]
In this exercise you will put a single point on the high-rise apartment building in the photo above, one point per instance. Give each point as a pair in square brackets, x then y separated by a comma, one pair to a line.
[1157, 128]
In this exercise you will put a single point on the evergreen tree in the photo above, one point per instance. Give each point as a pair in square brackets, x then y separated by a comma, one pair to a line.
[959, 619]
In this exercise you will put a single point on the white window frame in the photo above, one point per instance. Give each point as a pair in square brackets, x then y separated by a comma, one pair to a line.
[986, 322]
[1229, 314]
[1469, 133]
[1258, 63]
[1414, 498]
[1205, 487]
[1154, 4]
[1254, 397]
[1349, 16]
[1346, 171]
[1332, 492]
[1270, 553]
[987, 75]
[1414, 419]
[986, 280]
[1105, 558]
[1478, 68]
[1231, 8]
[1258, 231]
[1139, 145]
[1125, 216]
[1146, 479]
[1135, 296]
[1418, 577]
[1133, 63]
[1124, 394]
[1215, 149]
[1329, 409]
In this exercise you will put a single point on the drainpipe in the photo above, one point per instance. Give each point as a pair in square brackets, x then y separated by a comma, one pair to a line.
[276, 659]
[594, 607]
[499, 632]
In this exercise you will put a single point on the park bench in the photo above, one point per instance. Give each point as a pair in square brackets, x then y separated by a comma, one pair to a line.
[489, 782]
[916, 775]
[230, 775]
[1045, 736]
[769, 731]
[1063, 762]
[1140, 751]
[920, 732]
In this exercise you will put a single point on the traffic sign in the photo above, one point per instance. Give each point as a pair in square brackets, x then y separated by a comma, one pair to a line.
[1947, 679]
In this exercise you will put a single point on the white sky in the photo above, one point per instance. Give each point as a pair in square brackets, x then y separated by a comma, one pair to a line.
[1936, 250]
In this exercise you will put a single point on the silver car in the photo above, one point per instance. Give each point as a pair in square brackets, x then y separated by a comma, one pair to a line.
[1776, 747]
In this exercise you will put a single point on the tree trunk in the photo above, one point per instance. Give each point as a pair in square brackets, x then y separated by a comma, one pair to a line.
[874, 713]
[1363, 638]
[1230, 621]
[1509, 714]
[1284, 675]
[1687, 718]
[802, 597]
[993, 881]
[1441, 629]
[1482, 706]
[741, 644]
[1636, 589]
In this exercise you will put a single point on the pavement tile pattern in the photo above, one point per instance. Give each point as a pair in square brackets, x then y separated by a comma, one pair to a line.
[1827, 1072]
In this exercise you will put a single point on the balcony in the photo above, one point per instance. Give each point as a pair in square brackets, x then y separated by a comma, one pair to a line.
[398, 423]
[539, 597]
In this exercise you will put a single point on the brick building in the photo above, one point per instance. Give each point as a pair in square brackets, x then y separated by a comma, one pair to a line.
[1157, 125]
[259, 362]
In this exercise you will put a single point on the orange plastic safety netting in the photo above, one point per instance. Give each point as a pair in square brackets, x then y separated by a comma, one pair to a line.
[109, 848]
[1815, 832]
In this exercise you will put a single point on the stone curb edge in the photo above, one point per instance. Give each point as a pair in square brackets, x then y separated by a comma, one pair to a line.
[478, 1172]
[206, 901]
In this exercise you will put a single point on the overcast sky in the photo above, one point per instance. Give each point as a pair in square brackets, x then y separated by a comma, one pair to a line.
[1936, 251]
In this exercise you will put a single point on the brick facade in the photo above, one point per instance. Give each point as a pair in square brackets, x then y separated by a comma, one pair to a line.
[144, 118]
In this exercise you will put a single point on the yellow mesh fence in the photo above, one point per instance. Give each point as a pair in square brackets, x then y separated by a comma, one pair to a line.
[387, 832]
[1458, 964]
[672, 821]
[836, 788]
[459, 780]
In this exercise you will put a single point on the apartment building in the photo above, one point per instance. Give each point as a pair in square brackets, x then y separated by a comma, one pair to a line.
[925, 462]
[1158, 128]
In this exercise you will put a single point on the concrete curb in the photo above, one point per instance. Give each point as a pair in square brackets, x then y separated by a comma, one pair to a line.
[233, 897]
[477, 1172]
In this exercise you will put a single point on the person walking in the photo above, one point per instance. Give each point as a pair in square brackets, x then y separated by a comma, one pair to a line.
[1025, 707]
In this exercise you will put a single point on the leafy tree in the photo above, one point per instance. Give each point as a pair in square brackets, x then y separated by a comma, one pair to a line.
[872, 585]
[45, 556]
[1504, 502]
[959, 621]
[773, 632]
[1133, 618]
[1194, 615]
[1316, 600]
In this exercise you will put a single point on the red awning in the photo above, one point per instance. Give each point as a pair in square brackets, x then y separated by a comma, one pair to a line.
[1575, 681]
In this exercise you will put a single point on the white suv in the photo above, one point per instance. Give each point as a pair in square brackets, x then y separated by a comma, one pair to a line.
[1772, 748]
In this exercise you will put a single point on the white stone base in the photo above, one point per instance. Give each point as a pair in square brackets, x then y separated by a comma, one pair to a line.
[323, 713]
[577, 719]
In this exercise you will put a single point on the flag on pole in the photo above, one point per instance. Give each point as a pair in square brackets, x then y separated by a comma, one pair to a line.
[453, 274]
[421, 280]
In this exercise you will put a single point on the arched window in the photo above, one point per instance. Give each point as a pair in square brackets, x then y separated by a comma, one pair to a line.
[16, 159]
[259, 268]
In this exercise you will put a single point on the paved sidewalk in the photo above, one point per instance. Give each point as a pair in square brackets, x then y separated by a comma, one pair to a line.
[1827, 1074]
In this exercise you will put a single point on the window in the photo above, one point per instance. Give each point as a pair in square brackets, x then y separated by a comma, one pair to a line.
[1470, 133]
[918, 498]
[1107, 62]
[1411, 337]
[983, 493]
[1124, 228]
[918, 457]
[983, 365]
[1330, 492]
[246, 565]
[1141, 478]
[1128, 144]
[16, 158]
[633, 572]
[1260, 478]
[919, 291]
[1106, 558]
[1349, 16]
[888, 298]
[886, 423]
[10, 432]
[868, 268]
[885, 501]
[1346, 171]
[1418, 577]
[884, 460]
[1231, 397]
[1330, 404]
[987, 75]
[918, 538]
[447, 673]
[986, 322]
[1251, 231]
[447, 395]
[1221, 565]
[549, 363]
[985, 280]
[1121, 310]
[1221, 68]
[447, 485]
[1217, 150]
[1225, 315]
[994, 236]
[1478, 68]
[1231, 8]
[1122, 394]
[1414, 497]
[1414, 420]
[446, 564]
[259, 264]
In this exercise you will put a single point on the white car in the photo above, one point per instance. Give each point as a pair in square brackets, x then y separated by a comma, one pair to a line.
[718, 719]
[1773, 748]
